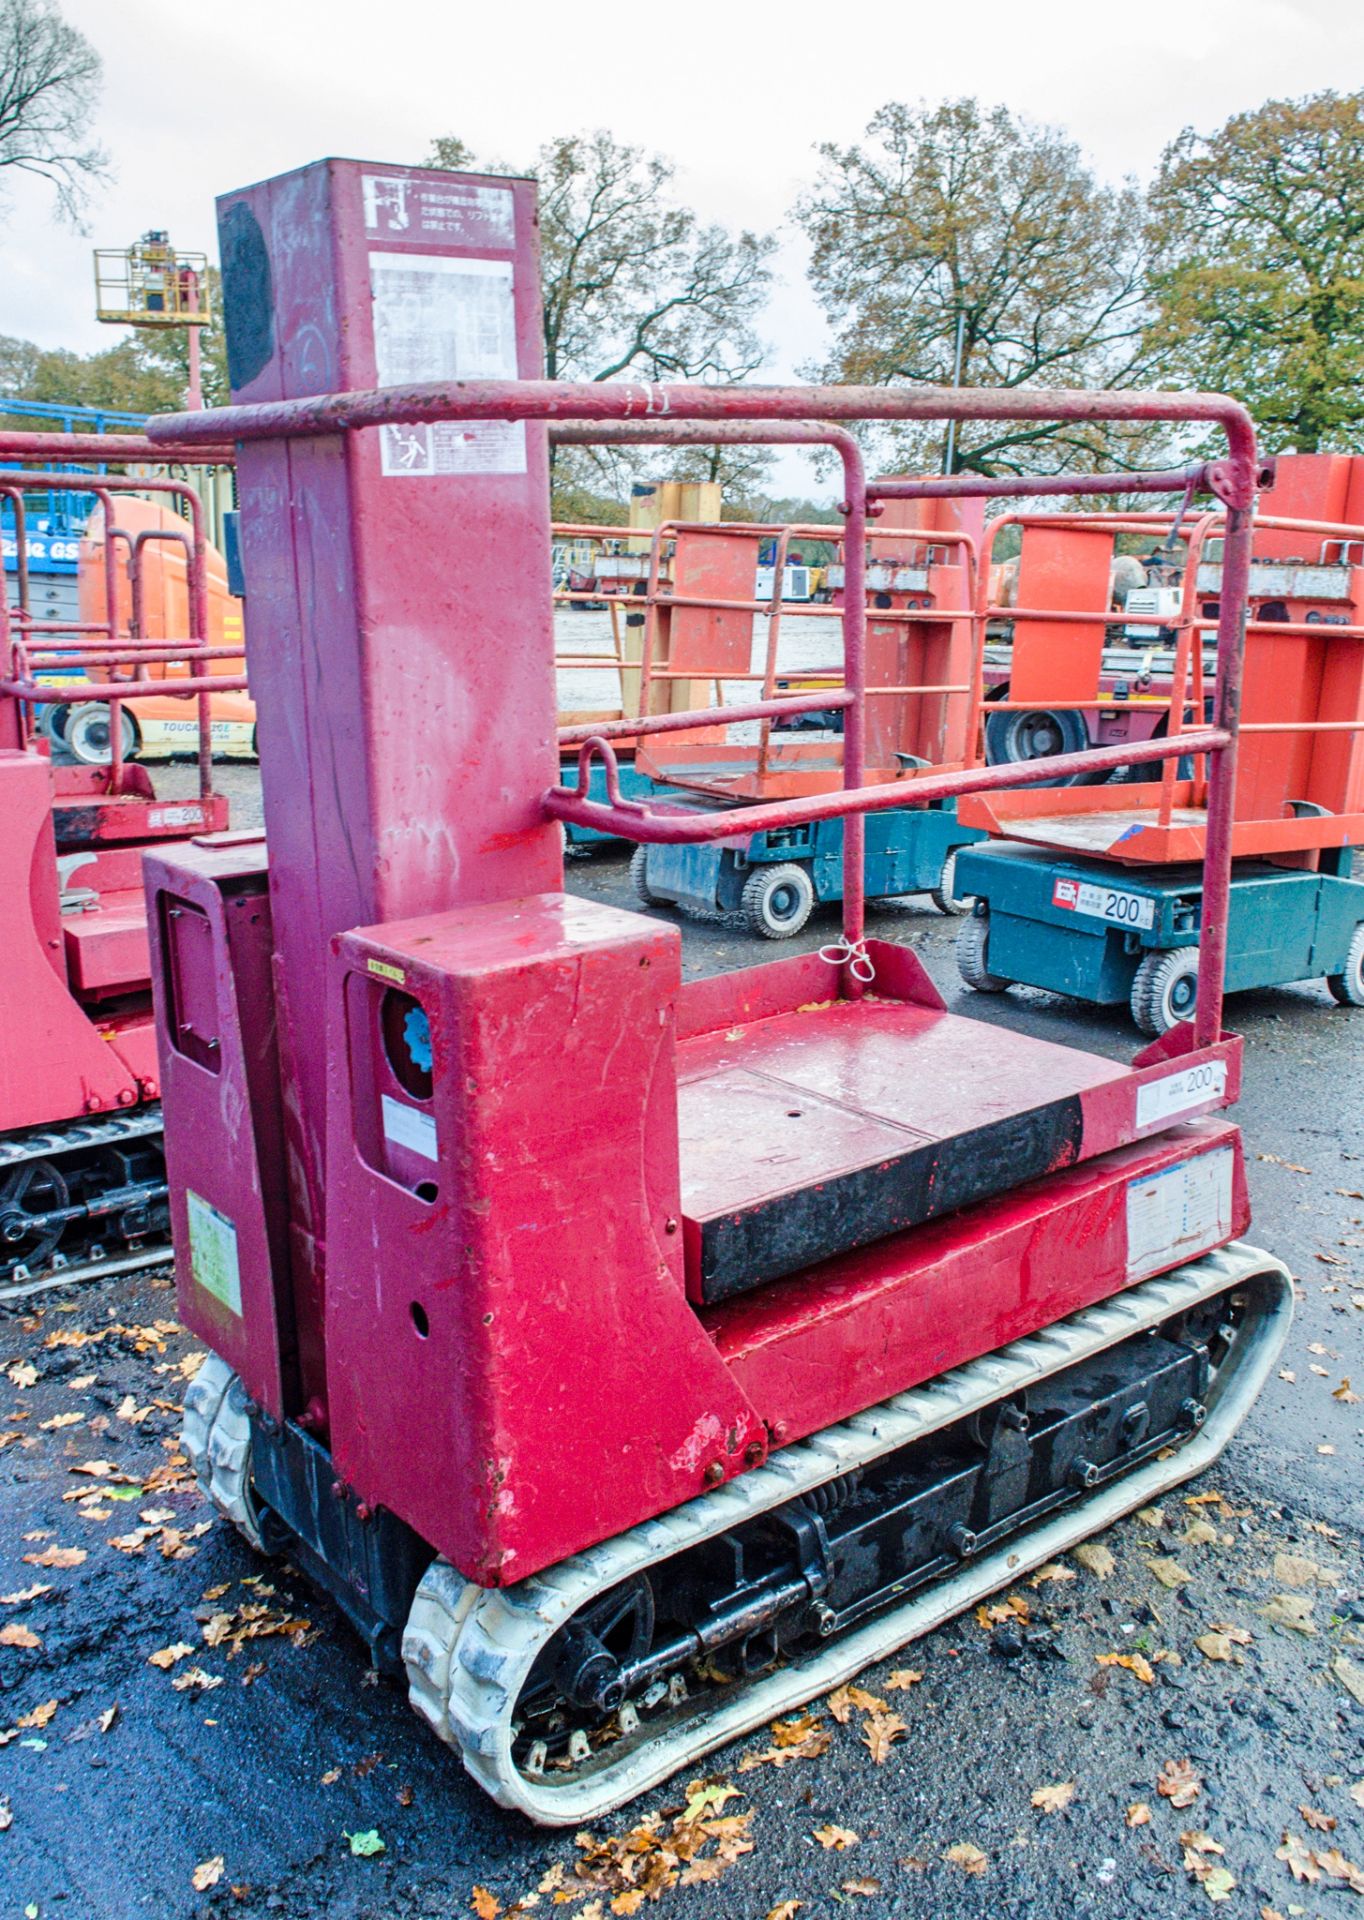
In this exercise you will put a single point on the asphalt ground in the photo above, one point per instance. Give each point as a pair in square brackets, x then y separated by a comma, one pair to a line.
[250, 1761]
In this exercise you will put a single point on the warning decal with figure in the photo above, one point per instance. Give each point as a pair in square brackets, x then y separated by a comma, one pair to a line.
[436, 318]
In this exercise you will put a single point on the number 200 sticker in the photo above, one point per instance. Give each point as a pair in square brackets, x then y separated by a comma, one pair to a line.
[1104, 903]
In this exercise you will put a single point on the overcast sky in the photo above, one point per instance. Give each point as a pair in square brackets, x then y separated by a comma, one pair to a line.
[201, 98]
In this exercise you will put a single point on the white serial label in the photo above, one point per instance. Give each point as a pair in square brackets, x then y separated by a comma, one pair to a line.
[1178, 1214]
[213, 1252]
[409, 1127]
[437, 318]
[176, 817]
[1177, 1092]
[1104, 903]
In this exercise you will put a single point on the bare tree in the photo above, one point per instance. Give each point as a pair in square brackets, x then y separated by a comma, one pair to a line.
[50, 79]
[955, 223]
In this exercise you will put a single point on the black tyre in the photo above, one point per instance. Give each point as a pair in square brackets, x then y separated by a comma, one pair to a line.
[1017, 739]
[639, 879]
[777, 901]
[973, 956]
[1348, 987]
[945, 896]
[1165, 990]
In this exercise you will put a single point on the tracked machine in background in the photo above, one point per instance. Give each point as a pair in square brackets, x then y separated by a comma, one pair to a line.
[82, 1176]
[592, 1337]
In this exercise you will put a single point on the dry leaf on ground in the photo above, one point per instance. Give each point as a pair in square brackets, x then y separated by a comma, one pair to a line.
[880, 1731]
[868, 1888]
[837, 1838]
[1292, 1610]
[1138, 1814]
[1179, 1782]
[1134, 1663]
[904, 1677]
[1095, 1559]
[1054, 1799]
[784, 1910]
[56, 1557]
[1318, 1822]
[207, 1874]
[486, 1905]
[1169, 1572]
[970, 1859]
[166, 1657]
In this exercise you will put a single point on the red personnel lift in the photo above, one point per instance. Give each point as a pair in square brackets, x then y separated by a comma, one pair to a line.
[82, 1179]
[589, 1334]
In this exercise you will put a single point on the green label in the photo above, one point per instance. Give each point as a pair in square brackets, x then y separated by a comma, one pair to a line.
[213, 1252]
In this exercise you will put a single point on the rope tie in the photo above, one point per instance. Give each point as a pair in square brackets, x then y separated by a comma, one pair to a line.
[852, 954]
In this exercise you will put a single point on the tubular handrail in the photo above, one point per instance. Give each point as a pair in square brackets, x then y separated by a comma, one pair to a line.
[774, 414]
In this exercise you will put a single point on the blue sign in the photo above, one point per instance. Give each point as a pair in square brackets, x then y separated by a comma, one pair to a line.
[47, 552]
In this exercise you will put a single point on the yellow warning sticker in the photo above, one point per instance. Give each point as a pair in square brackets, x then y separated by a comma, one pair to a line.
[386, 972]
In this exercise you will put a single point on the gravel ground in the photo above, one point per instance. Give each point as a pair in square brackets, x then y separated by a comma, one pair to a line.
[248, 1756]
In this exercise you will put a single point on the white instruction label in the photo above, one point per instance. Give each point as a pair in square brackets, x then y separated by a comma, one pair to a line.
[409, 1127]
[213, 1252]
[1179, 1213]
[1178, 1092]
[441, 319]
[458, 210]
[1104, 903]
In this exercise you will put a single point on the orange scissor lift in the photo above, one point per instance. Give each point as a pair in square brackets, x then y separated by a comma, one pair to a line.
[1095, 891]
[698, 609]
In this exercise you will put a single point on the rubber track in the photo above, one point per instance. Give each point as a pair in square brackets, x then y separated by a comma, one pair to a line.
[468, 1651]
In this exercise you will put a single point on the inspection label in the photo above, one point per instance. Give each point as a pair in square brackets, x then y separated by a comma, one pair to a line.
[1104, 903]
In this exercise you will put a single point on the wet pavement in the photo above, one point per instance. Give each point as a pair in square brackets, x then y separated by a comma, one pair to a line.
[250, 1758]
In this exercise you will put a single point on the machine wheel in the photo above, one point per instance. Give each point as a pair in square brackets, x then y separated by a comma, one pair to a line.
[1165, 990]
[1018, 738]
[217, 1437]
[89, 734]
[945, 896]
[1348, 987]
[973, 954]
[639, 880]
[777, 901]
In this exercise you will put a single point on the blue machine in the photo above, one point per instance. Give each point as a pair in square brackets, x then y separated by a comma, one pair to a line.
[775, 879]
[1112, 934]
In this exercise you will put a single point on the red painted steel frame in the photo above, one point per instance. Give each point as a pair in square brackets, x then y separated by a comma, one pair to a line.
[738, 412]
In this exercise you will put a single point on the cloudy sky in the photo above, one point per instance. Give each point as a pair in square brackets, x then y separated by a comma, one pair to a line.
[202, 98]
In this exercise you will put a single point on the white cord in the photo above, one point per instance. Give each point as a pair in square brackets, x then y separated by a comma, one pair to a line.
[852, 954]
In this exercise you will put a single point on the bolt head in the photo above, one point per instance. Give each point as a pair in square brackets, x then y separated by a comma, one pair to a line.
[714, 1473]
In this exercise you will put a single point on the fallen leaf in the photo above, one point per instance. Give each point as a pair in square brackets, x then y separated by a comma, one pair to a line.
[869, 1888]
[1298, 1859]
[107, 1718]
[1095, 1559]
[880, 1731]
[13, 1635]
[486, 1905]
[1292, 1570]
[207, 1874]
[970, 1859]
[1151, 1516]
[1054, 1570]
[843, 1699]
[22, 1374]
[1343, 1393]
[1336, 1867]
[1350, 1675]
[20, 1599]
[803, 1739]
[364, 1846]
[6, 1817]
[60, 1420]
[195, 1680]
[1292, 1610]
[1357, 1793]
[56, 1557]
[708, 1797]
[1199, 1533]
[166, 1657]
[1134, 1663]
[837, 1838]
[1287, 1373]
[1169, 1573]
[905, 1677]
[784, 1910]
[1138, 1814]
[1179, 1783]
[1214, 1646]
[331, 1776]
[1318, 1822]
[1325, 1449]
[1054, 1799]
[1199, 1842]
[39, 1717]
[1216, 1882]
